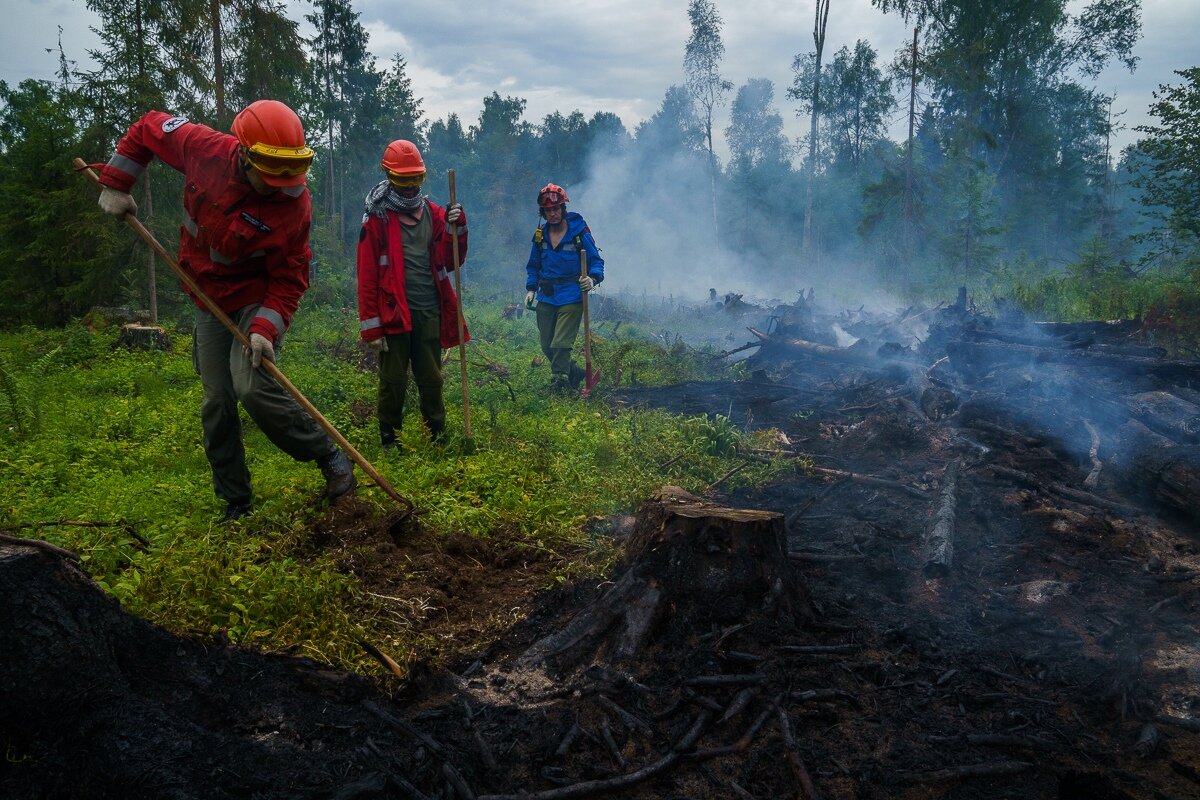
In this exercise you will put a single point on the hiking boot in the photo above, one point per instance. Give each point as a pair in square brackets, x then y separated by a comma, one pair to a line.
[560, 386]
[339, 474]
[437, 432]
[387, 436]
[235, 511]
[577, 375]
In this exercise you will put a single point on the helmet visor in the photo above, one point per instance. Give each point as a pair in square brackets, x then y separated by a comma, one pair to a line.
[408, 180]
[280, 162]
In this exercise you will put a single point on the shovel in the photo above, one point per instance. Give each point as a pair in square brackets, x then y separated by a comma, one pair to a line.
[468, 443]
[267, 366]
[590, 379]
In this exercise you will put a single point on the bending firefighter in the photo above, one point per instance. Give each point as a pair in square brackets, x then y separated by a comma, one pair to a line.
[246, 217]
[407, 307]
[553, 276]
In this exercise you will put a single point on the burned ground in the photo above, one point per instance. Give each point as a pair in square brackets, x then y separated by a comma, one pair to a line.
[978, 580]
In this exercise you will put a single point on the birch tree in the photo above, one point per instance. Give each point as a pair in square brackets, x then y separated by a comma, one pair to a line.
[702, 68]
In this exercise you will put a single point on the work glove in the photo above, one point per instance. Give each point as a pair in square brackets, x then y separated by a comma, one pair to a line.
[260, 348]
[454, 213]
[586, 283]
[117, 203]
[529, 300]
[378, 346]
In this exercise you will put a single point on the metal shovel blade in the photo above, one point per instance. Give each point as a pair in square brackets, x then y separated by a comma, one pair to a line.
[589, 383]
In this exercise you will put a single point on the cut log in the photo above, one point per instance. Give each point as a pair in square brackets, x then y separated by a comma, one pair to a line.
[689, 565]
[939, 541]
[143, 337]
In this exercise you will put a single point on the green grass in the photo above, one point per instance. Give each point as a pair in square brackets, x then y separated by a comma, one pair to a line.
[89, 433]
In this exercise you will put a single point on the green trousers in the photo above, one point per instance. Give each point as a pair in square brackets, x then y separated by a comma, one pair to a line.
[421, 350]
[225, 371]
[557, 328]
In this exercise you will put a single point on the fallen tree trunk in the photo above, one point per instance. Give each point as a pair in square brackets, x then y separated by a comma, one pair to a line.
[976, 357]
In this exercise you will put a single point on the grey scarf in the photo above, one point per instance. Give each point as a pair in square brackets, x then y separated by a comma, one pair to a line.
[384, 197]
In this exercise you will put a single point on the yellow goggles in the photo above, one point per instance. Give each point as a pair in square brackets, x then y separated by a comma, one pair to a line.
[410, 180]
[280, 161]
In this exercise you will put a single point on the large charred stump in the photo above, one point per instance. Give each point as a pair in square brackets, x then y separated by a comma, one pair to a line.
[97, 703]
[689, 566]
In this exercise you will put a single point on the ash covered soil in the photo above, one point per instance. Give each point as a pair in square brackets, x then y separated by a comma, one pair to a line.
[978, 579]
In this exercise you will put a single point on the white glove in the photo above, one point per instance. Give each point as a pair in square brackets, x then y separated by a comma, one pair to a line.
[454, 213]
[378, 346]
[117, 203]
[260, 348]
[529, 299]
[586, 283]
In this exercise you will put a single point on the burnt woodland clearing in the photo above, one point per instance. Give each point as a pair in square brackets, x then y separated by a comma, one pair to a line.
[979, 581]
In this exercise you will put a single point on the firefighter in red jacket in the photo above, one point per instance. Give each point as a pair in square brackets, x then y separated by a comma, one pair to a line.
[244, 239]
[407, 307]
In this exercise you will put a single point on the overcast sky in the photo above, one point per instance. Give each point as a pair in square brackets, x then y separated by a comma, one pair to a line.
[611, 55]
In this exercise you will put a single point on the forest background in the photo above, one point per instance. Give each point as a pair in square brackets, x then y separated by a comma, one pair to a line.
[1008, 183]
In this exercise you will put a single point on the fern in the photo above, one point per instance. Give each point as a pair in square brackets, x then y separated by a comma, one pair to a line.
[15, 406]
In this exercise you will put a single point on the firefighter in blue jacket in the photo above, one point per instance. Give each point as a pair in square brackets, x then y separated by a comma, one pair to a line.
[554, 279]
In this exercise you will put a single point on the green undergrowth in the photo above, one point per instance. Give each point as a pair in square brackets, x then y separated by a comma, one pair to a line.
[111, 439]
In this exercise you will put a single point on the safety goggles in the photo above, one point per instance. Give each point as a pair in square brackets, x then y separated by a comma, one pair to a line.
[409, 180]
[280, 161]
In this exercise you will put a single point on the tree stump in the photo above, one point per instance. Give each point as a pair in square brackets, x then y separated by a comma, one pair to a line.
[143, 337]
[689, 566]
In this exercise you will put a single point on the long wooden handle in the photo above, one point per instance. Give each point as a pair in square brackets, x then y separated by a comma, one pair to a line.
[268, 366]
[587, 325]
[462, 343]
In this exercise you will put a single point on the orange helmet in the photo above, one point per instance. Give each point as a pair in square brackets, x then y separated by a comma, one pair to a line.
[273, 138]
[403, 164]
[552, 195]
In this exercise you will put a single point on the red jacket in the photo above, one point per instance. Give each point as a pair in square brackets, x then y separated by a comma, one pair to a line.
[240, 247]
[382, 303]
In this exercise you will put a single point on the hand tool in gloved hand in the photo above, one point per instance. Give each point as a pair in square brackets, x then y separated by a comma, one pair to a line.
[468, 442]
[590, 379]
[267, 365]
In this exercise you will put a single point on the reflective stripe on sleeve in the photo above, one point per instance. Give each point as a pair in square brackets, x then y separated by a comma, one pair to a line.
[126, 165]
[383, 260]
[189, 225]
[272, 316]
[368, 324]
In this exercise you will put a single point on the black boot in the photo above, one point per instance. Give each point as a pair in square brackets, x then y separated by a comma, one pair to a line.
[437, 431]
[560, 385]
[339, 474]
[387, 437]
[235, 510]
[577, 376]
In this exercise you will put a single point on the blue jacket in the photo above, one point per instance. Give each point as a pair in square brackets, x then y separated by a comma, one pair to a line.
[554, 271]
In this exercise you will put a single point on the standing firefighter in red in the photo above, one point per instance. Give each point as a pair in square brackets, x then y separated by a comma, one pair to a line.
[246, 217]
[407, 307]
[552, 276]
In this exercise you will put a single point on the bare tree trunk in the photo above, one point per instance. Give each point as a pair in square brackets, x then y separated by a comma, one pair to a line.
[712, 178]
[908, 178]
[150, 256]
[822, 19]
[218, 64]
